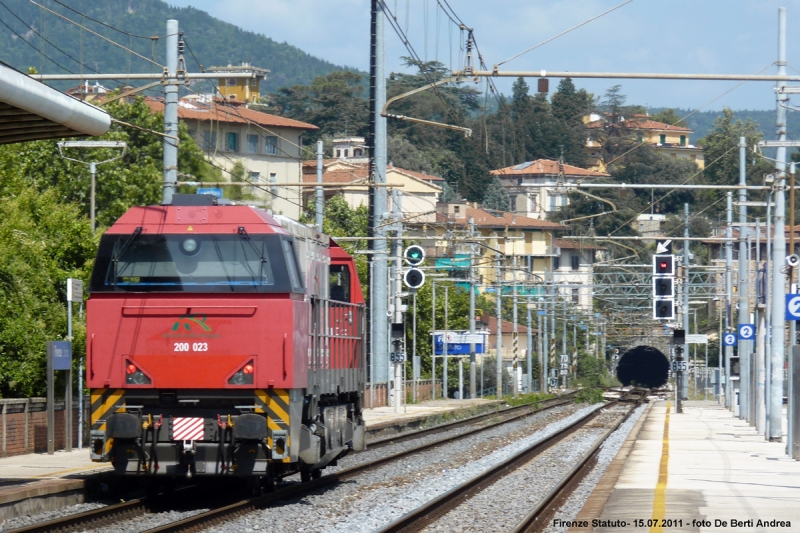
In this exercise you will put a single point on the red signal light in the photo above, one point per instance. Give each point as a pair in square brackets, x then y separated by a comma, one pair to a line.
[131, 369]
[248, 369]
[663, 265]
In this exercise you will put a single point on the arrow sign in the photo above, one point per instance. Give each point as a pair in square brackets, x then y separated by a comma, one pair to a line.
[729, 339]
[793, 307]
[664, 247]
[746, 332]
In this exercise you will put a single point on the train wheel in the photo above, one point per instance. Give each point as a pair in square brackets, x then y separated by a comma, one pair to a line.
[316, 474]
[305, 476]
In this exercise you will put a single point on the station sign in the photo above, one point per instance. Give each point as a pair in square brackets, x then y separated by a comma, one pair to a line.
[459, 343]
[747, 332]
[729, 339]
[793, 307]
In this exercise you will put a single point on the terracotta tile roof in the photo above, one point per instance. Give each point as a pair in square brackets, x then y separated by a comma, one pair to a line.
[228, 114]
[542, 167]
[641, 124]
[567, 244]
[338, 176]
[491, 324]
[497, 219]
[418, 175]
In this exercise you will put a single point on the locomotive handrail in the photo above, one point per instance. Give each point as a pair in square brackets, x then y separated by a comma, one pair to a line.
[210, 310]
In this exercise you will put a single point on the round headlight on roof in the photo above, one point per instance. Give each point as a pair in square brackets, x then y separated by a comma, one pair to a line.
[189, 246]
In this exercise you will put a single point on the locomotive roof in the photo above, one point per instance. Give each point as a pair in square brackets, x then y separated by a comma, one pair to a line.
[196, 219]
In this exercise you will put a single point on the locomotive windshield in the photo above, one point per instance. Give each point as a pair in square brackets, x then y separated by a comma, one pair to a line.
[195, 263]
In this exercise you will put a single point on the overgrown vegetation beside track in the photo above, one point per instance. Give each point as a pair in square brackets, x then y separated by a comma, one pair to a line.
[589, 395]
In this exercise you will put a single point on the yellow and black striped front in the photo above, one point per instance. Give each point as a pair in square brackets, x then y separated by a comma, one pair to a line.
[105, 402]
[275, 403]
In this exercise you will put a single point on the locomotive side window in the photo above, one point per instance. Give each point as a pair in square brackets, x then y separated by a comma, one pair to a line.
[295, 276]
[340, 283]
[199, 263]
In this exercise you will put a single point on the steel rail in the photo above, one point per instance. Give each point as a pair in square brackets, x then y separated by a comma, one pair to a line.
[538, 518]
[226, 513]
[93, 518]
[425, 515]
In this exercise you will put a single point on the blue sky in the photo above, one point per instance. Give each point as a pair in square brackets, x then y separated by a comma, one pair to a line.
[693, 36]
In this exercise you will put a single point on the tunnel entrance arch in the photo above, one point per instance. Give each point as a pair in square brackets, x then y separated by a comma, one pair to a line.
[644, 365]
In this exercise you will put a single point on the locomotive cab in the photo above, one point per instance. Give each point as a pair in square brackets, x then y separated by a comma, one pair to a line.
[223, 342]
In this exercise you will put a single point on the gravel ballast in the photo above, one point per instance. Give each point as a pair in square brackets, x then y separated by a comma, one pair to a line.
[379, 497]
[608, 451]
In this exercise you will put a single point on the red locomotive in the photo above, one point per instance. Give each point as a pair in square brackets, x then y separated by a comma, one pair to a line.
[222, 341]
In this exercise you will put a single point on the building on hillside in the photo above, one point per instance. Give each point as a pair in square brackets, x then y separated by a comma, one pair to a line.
[573, 270]
[88, 92]
[420, 192]
[651, 225]
[667, 140]
[535, 187]
[268, 146]
[246, 90]
[524, 241]
[351, 149]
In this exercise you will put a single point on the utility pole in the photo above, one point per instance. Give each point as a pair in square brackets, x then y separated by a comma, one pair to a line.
[728, 297]
[472, 356]
[515, 335]
[530, 341]
[320, 197]
[684, 384]
[377, 196]
[499, 362]
[541, 333]
[398, 307]
[433, 340]
[744, 296]
[564, 355]
[445, 354]
[779, 251]
[175, 74]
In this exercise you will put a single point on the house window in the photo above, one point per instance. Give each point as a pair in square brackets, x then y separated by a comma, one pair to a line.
[231, 82]
[346, 152]
[456, 209]
[338, 153]
[556, 263]
[576, 262]
[534, 201]
[232, 141]
[255, 176]
[640, 137]
[662, 138]
[273, 178]
[576, 295]
[271, 145]
[252, 144]
[210, 140]
[358, 152]
[683, 140]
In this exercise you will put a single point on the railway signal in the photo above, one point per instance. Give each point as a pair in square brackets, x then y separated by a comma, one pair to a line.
[663, 285]
[414, 278]
[414, 255]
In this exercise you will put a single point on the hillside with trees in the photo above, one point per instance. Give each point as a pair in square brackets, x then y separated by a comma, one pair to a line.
[33, 37]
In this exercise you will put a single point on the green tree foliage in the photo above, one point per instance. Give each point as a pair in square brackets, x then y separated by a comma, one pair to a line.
[668, 116]
[340, 220]
[334, 103]
[496, 197]
[43, 241]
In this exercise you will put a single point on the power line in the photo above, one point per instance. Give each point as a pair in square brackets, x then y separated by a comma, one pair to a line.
[45, 39]
[95, 33]
[84, 15]
[23, 39]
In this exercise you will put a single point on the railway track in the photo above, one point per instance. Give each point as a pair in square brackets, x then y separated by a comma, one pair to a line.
[133, 508]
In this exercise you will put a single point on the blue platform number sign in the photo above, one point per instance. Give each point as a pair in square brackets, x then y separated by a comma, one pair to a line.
[793, 307]
[62, 354]
[747, 332]
[729, 339]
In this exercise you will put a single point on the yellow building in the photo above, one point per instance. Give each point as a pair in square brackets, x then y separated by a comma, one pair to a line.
[243, 89]
[669, 141]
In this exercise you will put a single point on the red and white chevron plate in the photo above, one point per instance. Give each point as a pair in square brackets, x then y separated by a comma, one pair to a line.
[188, 428]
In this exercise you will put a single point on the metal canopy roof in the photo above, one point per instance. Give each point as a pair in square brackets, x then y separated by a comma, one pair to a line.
[31, 111]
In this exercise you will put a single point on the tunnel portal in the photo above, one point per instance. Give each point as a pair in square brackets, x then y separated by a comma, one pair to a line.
[643, 365]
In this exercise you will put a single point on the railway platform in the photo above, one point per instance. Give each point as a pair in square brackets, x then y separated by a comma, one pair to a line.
[702, 470]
